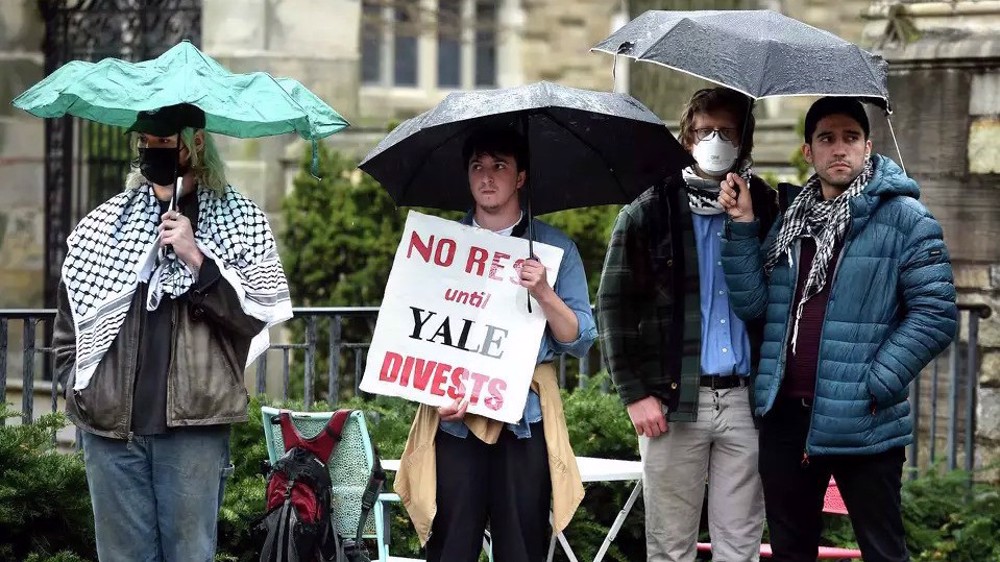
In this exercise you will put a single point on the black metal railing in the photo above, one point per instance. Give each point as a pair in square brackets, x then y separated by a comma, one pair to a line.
[326, 357]
[31, 321]
[960, 385]
[324, 361]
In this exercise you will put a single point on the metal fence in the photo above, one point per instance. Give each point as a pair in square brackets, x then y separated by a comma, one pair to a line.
[324, 358]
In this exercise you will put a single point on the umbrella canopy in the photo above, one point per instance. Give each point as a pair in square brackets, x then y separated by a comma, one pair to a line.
[585, 148]
[113, 91]
[760, 53]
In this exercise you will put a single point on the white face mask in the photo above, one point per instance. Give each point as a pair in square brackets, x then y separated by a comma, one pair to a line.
[714, 155]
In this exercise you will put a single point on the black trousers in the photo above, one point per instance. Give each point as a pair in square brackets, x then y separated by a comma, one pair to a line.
[794, 491]
[506, 484]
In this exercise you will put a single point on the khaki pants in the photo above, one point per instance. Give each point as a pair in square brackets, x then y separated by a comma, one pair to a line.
[720, 448]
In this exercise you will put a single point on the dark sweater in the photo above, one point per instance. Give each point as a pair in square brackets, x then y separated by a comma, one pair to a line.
[800, 367]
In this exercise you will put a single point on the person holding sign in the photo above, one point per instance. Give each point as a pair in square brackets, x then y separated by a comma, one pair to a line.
[461, 471]
[676, 350]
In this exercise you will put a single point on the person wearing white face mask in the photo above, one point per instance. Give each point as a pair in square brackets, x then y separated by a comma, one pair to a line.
[680, 358]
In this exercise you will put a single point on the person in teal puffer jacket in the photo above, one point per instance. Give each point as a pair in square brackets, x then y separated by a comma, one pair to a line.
[855, 285]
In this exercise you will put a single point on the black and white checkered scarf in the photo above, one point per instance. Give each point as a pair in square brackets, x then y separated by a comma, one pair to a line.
[703, 194]
[114, 248]
[826, 221]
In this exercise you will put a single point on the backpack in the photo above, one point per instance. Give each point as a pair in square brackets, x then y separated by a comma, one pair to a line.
[298, 525]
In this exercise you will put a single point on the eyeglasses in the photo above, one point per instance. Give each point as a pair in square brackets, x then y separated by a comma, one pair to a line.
[728, 134]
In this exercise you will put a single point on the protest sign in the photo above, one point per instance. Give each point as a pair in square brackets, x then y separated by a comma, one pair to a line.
[454, 321]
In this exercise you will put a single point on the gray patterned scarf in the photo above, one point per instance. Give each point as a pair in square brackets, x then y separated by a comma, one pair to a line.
[703, 194]
[826, 221]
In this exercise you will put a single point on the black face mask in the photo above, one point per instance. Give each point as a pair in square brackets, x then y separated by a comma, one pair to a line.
[159, 165]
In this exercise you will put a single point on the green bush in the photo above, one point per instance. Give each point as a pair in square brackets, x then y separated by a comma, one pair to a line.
[61, 557]
[947, 519]
[44, 504]
[599, 426]
[590, 229]
[45, 509]
[339, 239]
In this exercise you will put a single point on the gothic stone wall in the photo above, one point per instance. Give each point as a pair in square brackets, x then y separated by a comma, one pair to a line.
[946, 121]
[556, 41]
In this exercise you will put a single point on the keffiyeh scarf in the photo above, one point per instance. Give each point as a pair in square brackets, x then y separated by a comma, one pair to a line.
[826, 221]
[115, 247]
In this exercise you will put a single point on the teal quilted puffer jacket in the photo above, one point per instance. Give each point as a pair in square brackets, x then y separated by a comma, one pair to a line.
[891, 311]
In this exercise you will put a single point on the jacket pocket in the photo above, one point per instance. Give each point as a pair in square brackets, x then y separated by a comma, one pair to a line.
[99, 404]
[226, 357]
[206, 384]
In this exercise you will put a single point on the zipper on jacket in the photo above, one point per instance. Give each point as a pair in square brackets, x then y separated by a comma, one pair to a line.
[134, 360]
[173, 353]
[794, 271]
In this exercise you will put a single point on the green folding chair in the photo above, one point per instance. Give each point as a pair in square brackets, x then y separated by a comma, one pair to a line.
[350, 468]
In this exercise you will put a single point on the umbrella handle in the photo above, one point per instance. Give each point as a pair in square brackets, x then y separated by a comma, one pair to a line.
[744, 137]
[531, 222]
[178, 184]
[531, 238]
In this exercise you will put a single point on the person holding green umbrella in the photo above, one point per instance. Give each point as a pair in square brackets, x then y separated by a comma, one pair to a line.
[161, 306]
[168, 290]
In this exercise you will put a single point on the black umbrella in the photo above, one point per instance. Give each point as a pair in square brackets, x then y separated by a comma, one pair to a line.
[585, 148]
[760, 53]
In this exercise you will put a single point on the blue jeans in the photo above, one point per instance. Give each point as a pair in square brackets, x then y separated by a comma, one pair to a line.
[157, 498]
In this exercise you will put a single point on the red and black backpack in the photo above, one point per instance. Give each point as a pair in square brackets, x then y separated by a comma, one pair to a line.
[298, 523]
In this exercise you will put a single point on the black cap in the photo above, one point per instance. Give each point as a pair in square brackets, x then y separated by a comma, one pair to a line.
[168, 120]
[835, 105]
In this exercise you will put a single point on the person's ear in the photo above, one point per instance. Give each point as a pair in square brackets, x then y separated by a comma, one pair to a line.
[522, 176]
[807, 153]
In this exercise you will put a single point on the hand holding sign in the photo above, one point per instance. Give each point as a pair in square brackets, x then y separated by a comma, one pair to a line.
[453, 330]
[456, 410]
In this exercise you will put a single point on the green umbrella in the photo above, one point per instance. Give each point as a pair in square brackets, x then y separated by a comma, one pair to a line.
[113, 91]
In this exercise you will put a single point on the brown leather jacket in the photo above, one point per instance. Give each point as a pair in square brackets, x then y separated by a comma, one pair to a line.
[211, 340]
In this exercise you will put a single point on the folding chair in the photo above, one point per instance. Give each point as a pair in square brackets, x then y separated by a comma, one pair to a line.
[833, 503]
[350, 468]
